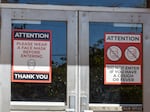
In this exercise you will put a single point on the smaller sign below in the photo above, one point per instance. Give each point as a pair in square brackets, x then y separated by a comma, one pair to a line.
[31, 76]
[122, 74]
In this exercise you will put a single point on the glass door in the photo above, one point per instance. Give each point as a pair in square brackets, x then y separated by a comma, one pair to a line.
[40, 56]
[112, 60]
[76, 60]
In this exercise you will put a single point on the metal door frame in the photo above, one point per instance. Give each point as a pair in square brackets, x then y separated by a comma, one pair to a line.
[119, 15]
[8, 14]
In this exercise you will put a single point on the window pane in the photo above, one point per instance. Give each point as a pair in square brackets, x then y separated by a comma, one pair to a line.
[108, 3]
[55, 91]
[100, 93]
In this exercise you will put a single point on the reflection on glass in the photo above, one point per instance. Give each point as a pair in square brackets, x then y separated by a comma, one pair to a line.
[55, 91]
[100, 93]
[108, 3]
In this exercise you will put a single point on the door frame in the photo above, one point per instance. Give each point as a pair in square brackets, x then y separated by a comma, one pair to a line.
[118, 15]
[10, 13]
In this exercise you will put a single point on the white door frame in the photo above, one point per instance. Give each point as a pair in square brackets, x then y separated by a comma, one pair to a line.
[24, 13]
[118, 15]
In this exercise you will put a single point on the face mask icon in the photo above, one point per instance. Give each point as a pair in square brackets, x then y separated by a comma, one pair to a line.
[31, 64]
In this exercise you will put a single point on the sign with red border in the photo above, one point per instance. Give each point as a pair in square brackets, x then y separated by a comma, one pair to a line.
[122, 58]
[31, 56]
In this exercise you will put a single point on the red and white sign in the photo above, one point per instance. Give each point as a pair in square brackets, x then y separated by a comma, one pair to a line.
[123, 58]
[31, 56]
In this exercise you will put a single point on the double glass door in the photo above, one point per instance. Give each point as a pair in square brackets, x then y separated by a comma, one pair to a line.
[78, 79]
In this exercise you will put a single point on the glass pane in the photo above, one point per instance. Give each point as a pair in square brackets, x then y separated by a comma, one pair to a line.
[99, 92]
[55, 91]
[108, 3]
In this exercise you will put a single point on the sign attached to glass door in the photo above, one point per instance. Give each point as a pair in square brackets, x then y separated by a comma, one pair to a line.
[123, 58]
[31, 56]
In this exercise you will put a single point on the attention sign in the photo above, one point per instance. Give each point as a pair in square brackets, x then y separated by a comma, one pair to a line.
[122, 58]
[31, 56]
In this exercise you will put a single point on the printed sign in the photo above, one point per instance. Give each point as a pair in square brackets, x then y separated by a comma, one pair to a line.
[31, 56]
[122, 58]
